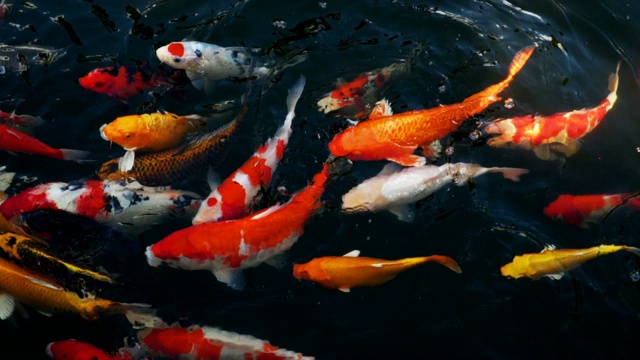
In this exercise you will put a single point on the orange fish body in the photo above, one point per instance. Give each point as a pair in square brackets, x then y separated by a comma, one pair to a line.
[580, 210]
[395, 137]
[346, 272]
[78, 350]
[551, 135]
[554, 263]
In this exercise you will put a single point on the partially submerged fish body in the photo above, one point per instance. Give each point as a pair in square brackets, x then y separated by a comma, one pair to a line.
[16, 141]
[204, 342]
[20, 122]
[395, 137]
[124, 82]
[554, 136]
[349, 271]
[394, 188]
[78, 350]
[109, 202]
[19, 57]
[554, 263]
[582, 210]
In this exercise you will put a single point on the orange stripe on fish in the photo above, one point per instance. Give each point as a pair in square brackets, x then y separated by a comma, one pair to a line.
[551, 135]
[396, 137]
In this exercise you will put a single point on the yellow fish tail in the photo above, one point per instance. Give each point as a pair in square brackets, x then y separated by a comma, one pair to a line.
[442, 260]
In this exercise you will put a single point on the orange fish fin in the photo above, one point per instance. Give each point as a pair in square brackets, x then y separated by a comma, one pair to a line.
[432, 150]
[345, 290]
[7, 305]
[382, 109]
[408, 160]
[445, 261]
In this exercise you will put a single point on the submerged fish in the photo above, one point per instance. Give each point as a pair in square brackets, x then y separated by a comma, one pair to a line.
[204, 342]
[110, 202]
[125, 82]
[17, 141]
[227, 247]
[396, 137]
[19, 57]
[554, 263]
[150, 133]
[349, 271]
[20, 122]
[392, 189]
[78, 350]
[581, 210]
[555, 135]
[233, 196]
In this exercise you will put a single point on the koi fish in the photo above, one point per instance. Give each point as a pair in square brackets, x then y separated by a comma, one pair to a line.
[554, 263]
[109, 202]
[33, 255]
[171, 166]
[78, 350]
[204, 342]
[395, 137]
[19, 57]
[554, 135]
[393, 190]
[19, 121]
[580, 210]
[231, 198]
[227, 247]
[18, 284]
[124, 82]
[150, 133]
[17, 141]
[349, 271]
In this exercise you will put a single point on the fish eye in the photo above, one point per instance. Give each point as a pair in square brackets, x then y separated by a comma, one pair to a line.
[177, 59]
[198, 53]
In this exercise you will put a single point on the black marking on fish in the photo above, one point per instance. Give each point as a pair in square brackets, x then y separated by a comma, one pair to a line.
[73, 185]
[70, 31]
[135, 198]
[183, 201]
[113, 205]
[198, 53]
[12, 241]
[101, 14]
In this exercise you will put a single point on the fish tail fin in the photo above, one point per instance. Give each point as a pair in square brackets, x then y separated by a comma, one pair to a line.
[74, 155]
[292, 99]
[631, 249]
[519, 60]
[512, 174]
[140, 315]
[614, 79]
[445, 261]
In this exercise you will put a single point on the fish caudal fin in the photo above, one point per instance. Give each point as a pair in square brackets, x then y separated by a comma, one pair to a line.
[74, 155]
[512, 174]
[292, 99]
[445, 261]
[632, 250]
[141, 315]
[519, 60]
[614, 79]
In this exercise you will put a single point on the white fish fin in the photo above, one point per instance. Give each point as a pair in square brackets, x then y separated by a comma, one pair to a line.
[7, 305]
[232, 277]
[102, 134]
[75, 155]
[267, 212]
[213, 179]
[404, 213]
[353, 253]
[352, 122]
[127, 161]
[2, 70]
[197, 79]
[548, 247]
[5, 180]
[16, 134]
[278, 261]
[44, 313]
[390, 168]
[556, 276]
[44, 283]
[345, 290]
[292, 99]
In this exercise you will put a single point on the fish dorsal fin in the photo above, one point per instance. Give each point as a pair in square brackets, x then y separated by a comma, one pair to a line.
[44, 283]
[344, 290]
[548, 247]
[354, 253]
[382, 109]
[7, 305]
[390, 168]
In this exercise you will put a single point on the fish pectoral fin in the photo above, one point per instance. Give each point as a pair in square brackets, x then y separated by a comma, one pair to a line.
[344, 290]
[432, 150]
[404, 213]
[197, 79]
[556, 276]
[543, 152]
[213, 179]
[232, 277]
[567, 149]
[44, 313]
[126, 162]
[353, 253]
[278, 261]
[408, 160]
[7, 305]
[2, 70]
[390, 168]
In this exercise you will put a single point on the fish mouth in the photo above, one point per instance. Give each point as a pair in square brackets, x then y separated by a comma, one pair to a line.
[102, 134]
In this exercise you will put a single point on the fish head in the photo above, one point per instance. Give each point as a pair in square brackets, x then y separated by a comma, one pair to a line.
[180, 55]
[564, 208]
[100, 80]
[128, 131]
[210, 211]
[345, 144]
[301, 272]
[461, 173]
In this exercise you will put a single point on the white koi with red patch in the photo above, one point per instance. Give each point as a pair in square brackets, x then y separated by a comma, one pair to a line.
[233, 196]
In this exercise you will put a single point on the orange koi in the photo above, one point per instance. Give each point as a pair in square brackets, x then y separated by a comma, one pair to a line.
[555, 135]
[580, 210]
[554, 263]
[348, 271]
[396, 137]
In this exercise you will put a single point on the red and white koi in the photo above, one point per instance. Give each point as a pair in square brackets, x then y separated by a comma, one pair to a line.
[109, 202]
[393, 190]
[17, 141]
[582, 210]
[555, 135]
[16, 121]
[233, 196]
[227, 247]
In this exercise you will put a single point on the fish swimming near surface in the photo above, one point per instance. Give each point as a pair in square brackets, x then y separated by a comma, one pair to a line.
[78, 350]
[582, 210]
[114, 203]
[555, 136]
[554, 263]
[204, 342]
[395, 188]
[20, 122]
[19, 57]
[16, 141]
[125, 82]
[227, 247]
[232, 197]
[150, 133]
[349, 271]
[18, 284]
[396, 137]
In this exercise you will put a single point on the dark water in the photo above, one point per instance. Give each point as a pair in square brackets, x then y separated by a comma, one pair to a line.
[428, 312]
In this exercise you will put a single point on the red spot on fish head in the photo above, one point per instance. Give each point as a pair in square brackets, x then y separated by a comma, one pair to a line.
[176, 49]
[212, 202]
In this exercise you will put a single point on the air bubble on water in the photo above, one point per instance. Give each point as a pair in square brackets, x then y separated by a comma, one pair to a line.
[635, 276]
[474, 135]
[368, 238]
[442, 88]
[449, 151]
[369, 221]
[323, 4]
[638, 149]
[279, 24]
[509, 103]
